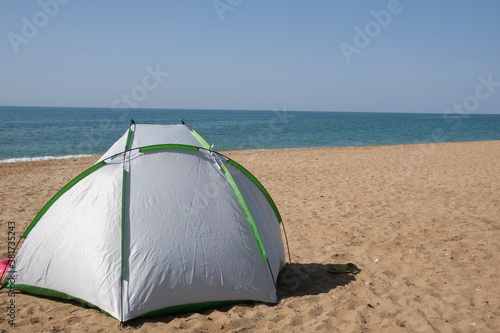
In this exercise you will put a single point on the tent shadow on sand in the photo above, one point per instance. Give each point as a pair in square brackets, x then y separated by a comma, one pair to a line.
[295, 280]
[309, 279]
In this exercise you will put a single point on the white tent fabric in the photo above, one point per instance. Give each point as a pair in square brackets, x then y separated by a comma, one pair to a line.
[153, 230]
[149, 135]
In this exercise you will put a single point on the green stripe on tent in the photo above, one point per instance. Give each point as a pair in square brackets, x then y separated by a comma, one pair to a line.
[50, 293]
[122, 224]
[168, 146]
[200, 139]
[59, 194]
[259, 185]
[164, 311]
[128, 145]
[246, 209]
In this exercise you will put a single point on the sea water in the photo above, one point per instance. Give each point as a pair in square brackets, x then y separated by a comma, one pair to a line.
[35, 133]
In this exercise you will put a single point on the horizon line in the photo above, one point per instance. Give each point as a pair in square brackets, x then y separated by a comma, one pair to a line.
[238, 110]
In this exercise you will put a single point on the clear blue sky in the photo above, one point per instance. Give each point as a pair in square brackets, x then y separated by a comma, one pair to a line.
[252, 54]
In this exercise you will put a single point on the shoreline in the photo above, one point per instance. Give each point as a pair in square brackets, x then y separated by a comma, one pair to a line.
[66, 157]
[421, 221]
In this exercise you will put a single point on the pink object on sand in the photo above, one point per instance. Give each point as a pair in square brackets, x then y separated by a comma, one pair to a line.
[4, 265]
[4, 268]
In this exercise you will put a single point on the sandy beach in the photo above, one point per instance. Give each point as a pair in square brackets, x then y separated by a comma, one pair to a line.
[422, 222]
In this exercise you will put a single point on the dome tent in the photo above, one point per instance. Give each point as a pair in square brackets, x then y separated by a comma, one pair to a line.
[160, 224]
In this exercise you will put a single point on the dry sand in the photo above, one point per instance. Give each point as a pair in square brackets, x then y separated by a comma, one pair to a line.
[421, 221]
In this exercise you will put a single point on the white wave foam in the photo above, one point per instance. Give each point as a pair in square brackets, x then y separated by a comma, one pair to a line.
[40, 158]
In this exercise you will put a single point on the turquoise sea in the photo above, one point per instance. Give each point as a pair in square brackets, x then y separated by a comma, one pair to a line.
[34, 133]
